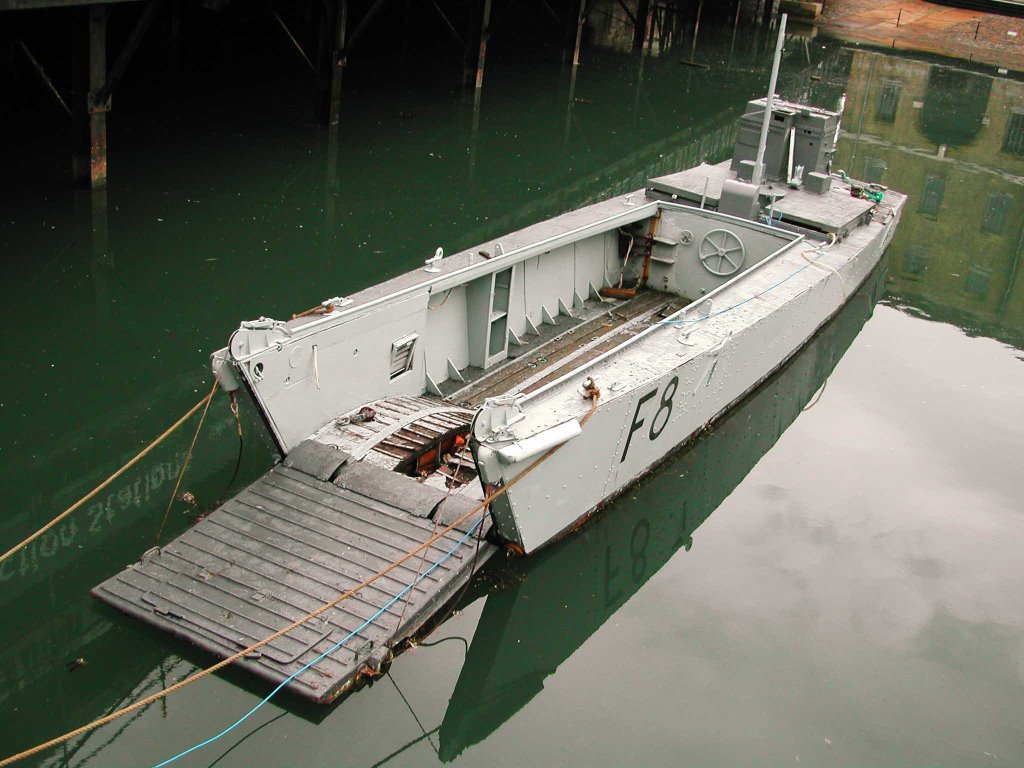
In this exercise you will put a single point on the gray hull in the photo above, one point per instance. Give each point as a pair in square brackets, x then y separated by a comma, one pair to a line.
[688, 383]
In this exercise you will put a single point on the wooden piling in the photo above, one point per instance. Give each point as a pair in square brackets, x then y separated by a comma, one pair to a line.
[89, 118]
[640, 31]
[485, 33]
[580, 21]
[338, 60]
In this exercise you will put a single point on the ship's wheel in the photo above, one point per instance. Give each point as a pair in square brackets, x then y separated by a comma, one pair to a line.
[721, 252]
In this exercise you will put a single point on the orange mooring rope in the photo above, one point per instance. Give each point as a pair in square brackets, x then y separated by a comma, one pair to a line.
[188, 458]
[138, 457]
[592, 393]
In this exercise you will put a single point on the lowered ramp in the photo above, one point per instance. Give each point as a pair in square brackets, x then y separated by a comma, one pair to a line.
[289, 543]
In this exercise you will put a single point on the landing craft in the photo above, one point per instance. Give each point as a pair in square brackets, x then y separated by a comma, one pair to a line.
[496, 397]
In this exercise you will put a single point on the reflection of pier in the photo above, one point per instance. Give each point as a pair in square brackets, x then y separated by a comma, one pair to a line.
[562, 597]
[37, 690]
[111, 39]
[711, 141]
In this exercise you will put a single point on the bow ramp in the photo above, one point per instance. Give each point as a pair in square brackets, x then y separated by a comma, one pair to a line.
[310, 529]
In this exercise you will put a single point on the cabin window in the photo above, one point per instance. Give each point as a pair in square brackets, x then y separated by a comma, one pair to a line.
[401, 355]
[1013, 141]
[916, 259]
[874, 170]
[888, 101]
[931, 195]
[977, 280]
[995, 213]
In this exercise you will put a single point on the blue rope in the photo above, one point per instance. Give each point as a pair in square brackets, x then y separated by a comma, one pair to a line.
[323, 655]
[682, 321]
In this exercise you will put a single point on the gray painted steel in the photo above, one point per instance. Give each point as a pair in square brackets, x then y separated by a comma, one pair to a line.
[669, 381]
[832, 211]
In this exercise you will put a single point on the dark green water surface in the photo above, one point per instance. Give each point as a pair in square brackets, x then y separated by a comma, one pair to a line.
[831, 577]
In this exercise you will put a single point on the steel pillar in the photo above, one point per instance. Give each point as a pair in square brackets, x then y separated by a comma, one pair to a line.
[88, 118]
[102, 261]
[580, 21]
[471, 48]
[485, 33]
[476, 43]
[645, 33]
[332, 65]
[696, 29]
[570, 108]
[643, 19]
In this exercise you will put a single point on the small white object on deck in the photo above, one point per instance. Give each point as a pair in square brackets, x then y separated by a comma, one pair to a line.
[432, 262]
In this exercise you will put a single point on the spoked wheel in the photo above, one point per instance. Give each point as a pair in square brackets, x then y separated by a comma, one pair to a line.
[721, 252]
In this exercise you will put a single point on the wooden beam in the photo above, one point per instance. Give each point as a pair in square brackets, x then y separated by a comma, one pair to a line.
[121, 64]
[31, 5]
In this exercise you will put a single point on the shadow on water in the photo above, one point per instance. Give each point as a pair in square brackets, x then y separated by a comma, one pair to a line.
[552, 603]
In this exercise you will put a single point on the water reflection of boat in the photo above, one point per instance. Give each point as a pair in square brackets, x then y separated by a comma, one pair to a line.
[578, 584]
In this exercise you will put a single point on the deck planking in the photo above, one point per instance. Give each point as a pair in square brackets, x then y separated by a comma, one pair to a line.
[611, 324]
[280, 549]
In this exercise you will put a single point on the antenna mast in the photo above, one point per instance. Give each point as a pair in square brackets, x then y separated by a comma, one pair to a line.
[768, 104]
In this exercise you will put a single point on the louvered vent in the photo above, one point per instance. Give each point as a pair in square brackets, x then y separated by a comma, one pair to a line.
[401, 354]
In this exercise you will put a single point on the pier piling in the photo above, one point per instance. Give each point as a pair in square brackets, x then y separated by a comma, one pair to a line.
[88, 117]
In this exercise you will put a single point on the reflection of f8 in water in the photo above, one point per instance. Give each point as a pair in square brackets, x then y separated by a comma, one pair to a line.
[637, 546]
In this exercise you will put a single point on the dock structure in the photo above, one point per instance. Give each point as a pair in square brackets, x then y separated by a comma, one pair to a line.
[300, 536]
[323, 34]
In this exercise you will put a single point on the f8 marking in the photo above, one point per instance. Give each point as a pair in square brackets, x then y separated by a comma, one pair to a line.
[661, 417]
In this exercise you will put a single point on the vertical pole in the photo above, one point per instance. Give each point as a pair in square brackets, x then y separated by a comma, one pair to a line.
[570, 108]
[472, 48]
[735, 26]
[643, 10]
[102, 262]
[339, 58]
[655, 27]
[336, 20]
[646, 31]
[696, 29]
[485, 33]
[474, 135]
[581, 19]
[331, 61]
[89, 120]
[768, 104]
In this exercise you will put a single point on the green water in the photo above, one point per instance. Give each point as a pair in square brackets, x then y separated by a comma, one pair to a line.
[840, 585]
